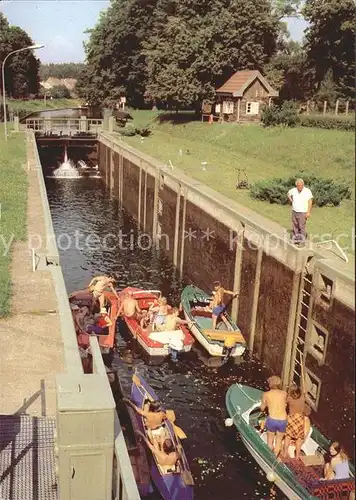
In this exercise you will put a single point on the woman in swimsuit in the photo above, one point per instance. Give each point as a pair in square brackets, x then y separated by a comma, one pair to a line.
[338, 466]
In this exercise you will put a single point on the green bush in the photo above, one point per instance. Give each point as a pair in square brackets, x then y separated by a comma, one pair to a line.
[328, 122]
[143, 131]
[285, 114]
[127, 131]
[325, 191]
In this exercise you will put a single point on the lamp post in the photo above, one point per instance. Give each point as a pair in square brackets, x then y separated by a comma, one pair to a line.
[31, 47]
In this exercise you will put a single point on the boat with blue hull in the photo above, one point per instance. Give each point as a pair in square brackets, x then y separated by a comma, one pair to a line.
[173, 483]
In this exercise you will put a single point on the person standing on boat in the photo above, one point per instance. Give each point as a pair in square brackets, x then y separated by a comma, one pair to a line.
[275, 400]
[97, 287]
[217, 305]
[296, 424]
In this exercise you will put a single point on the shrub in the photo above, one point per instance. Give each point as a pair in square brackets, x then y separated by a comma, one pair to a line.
[325, 191]
[143, 131]
[328, 122]
[126, 131]
[285, 114]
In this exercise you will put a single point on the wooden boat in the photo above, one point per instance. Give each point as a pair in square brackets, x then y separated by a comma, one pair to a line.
[82, 298]
[216, 342]
[297, 479]
[173, 483]
[154, 343]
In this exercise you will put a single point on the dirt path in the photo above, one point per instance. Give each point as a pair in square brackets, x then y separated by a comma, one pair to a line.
[31, 349]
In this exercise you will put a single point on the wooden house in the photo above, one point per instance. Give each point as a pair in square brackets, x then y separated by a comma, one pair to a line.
[242, 97]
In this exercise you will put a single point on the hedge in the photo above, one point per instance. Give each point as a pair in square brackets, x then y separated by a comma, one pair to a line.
[326, 192]
[328, 122]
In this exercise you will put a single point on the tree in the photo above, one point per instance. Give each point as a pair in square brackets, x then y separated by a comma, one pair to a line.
[195, 46]
[116, 65]
[59, 92]
[61, 70]
[21, 71]
[330, 43]
[286, 71]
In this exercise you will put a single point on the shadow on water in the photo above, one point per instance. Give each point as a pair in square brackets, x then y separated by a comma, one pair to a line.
[96, 236]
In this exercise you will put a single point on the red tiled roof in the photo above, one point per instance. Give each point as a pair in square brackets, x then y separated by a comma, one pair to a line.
[241, 79]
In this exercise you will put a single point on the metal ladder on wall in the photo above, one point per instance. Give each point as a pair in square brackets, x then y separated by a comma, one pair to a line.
[303, 318]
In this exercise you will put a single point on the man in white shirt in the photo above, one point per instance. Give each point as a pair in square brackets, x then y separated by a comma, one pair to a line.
[301, 199]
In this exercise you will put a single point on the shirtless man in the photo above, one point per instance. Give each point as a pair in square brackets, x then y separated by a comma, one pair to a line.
[165, 457]
[97, 287]
[275, 400]
[173, 321]
[154, 418]
[217, 305]
[129, 306]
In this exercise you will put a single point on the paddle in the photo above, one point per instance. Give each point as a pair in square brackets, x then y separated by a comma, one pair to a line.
[171, 416]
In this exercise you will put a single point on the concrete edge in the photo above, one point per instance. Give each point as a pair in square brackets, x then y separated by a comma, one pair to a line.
[71, 352]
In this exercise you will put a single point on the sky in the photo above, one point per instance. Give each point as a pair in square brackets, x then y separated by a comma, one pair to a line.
[60, 25]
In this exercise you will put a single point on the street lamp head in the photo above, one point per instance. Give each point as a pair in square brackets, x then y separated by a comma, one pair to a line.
[36, 46]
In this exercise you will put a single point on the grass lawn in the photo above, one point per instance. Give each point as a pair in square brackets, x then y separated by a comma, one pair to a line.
[263, 153]
[24, 107]
[13, 207]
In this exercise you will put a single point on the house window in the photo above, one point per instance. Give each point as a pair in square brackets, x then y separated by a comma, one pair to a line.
[317, 344]
[228, 107]
[313, 386]
[217, 109]
[252, 108]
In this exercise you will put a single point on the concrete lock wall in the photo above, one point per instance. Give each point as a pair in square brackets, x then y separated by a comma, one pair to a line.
[88, 432]
[251, 254]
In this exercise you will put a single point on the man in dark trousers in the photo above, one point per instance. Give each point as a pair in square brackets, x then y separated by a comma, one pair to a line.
[301, 199]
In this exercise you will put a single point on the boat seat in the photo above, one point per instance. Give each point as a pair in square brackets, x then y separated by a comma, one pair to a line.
[223, 335]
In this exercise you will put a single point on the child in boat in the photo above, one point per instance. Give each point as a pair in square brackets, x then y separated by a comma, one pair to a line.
[162, 310]
[154, 418]
[275, 400]
[97, 287]
[295, 425]
[337, 466]
[217, 305]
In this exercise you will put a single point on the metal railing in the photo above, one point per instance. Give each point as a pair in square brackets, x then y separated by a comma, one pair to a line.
[64, 126]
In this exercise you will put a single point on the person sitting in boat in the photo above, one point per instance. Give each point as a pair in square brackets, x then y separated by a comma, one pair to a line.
[165, 457]
[162, 310]
[129, 306]
[173, 320]
[97, 287]
[275, 401]
[154, 418]
[295, 425]
[337, 463]
[217, 305]
[102, 321]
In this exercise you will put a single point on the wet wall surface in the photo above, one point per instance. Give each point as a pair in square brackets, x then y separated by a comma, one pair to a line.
[96, 236]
